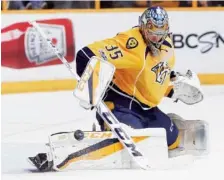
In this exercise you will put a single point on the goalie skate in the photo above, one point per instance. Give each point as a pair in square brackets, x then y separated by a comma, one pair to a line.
[41, 162]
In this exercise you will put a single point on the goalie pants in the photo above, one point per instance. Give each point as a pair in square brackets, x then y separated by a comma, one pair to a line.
[135, 116]
[138, 118]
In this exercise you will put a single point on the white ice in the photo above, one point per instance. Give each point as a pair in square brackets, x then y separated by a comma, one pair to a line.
[28, 119]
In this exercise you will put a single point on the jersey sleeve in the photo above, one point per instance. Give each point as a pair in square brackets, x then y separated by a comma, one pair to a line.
[115, 51]
[168, 45]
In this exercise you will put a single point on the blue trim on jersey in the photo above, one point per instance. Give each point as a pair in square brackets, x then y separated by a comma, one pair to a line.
[147, 51]
[82, 59]
[166, 43]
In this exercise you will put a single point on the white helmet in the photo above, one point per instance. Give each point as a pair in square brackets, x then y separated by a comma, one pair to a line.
[154, 27]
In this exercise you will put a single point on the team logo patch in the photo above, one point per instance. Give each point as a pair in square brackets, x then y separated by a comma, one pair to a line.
[161, 70]
[103, 55]
[131, 43]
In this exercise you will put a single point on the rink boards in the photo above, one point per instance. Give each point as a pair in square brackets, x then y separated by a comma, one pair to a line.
[199, 45]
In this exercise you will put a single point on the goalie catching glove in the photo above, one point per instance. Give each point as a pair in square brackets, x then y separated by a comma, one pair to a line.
[187, 88]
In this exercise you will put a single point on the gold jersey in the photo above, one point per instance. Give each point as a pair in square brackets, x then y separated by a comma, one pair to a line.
[138, 73]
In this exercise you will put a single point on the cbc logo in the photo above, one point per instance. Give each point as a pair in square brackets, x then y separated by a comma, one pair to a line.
[206, 41]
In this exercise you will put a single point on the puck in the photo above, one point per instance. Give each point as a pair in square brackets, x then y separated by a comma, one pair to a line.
[79, 135]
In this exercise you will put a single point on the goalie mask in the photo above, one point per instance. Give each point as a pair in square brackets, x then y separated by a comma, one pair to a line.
[154, 27]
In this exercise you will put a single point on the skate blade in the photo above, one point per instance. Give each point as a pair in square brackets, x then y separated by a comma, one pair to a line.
[30, 162]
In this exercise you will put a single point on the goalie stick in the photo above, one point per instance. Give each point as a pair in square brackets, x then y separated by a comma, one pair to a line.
[103, 110]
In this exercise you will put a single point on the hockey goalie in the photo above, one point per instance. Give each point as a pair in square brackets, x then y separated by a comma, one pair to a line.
[123, 79]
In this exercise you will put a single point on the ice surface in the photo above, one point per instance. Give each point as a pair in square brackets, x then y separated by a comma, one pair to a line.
[28, 119]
